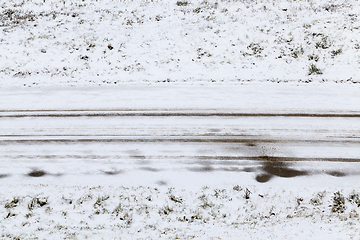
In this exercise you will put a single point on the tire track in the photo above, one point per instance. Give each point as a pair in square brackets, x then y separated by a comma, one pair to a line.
[114, 142]
[162, 113]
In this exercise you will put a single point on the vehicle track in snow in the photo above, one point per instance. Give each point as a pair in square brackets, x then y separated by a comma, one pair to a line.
[79, 142]
[230, 133]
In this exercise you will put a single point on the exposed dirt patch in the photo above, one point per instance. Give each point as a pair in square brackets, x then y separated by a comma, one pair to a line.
[281, 169]
[271, 167]
[263, 178]
[37, 173]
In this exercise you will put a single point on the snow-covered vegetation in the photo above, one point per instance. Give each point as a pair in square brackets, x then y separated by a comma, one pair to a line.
[86, 42]
[169, 213]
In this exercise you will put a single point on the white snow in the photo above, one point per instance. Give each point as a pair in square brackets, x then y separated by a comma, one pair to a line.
[98, 61]
[153, 213]
[101, 189]
[75, 42]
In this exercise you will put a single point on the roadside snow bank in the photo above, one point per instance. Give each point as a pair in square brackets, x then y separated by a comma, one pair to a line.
[76, 42]
[54, 212]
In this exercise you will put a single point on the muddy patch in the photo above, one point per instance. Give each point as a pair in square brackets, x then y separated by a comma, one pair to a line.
[263, 178]
[281, 169]
[37, 173]
[271, 167]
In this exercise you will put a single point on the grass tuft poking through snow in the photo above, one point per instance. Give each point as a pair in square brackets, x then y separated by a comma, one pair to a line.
[151, 213]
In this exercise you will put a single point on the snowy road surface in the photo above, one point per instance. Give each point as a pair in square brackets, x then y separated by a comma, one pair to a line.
[256, 161]
[221, 135]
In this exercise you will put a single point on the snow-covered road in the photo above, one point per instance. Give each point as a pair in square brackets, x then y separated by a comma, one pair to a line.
[180, 161]
[243, 133]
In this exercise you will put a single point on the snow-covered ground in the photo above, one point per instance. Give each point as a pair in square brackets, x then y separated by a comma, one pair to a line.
[51, 212]
[179, 119]
[227, 161]
[90, 42]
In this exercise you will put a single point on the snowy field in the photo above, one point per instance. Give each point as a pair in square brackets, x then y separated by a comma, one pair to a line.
[76, 42]
[179, 119]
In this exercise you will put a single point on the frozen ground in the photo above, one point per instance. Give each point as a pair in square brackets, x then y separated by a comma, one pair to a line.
[76, 42]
